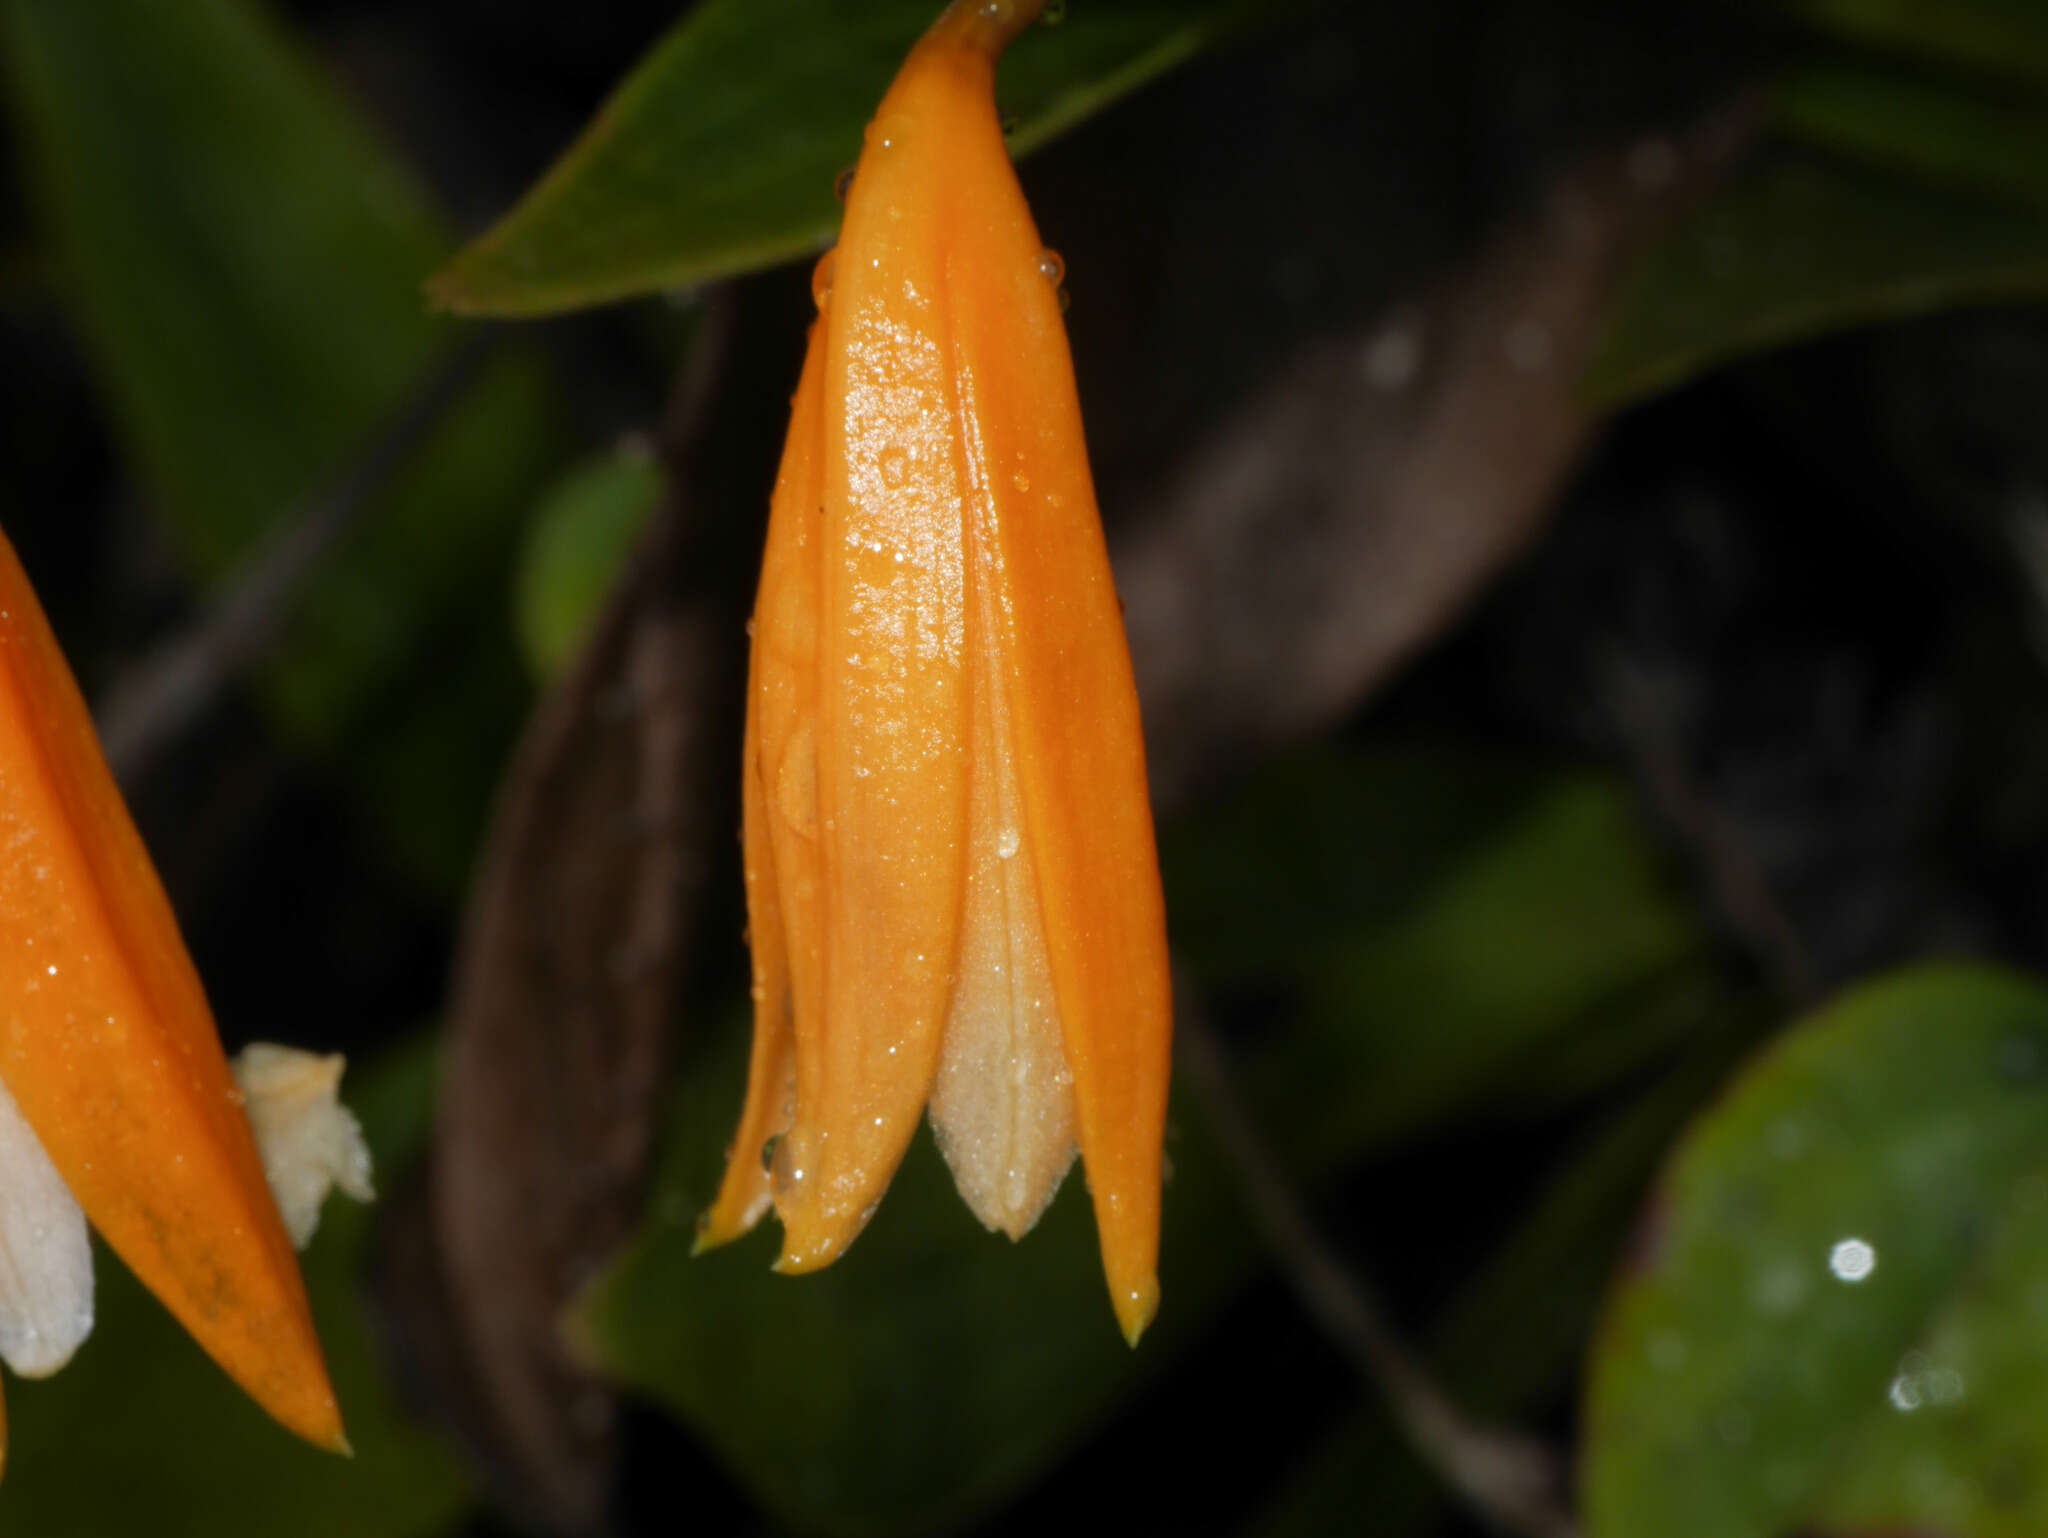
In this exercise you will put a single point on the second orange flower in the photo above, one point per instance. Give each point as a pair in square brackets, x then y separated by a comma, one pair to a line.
[951, 880]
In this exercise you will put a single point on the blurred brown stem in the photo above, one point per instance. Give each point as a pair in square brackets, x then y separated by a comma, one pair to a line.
[157, 700]
[1512, 1481]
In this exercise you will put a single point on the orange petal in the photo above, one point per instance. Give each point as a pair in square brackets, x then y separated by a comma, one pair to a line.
[1036, 539]
[108, 1046]
[778, 801]
[891, 714]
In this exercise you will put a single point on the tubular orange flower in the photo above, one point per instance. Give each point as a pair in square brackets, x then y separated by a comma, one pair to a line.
[951, 883]
[112, 1082]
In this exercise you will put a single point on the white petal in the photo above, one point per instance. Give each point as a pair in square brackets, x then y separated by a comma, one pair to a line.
[1002, 1105]
[45, 1255]
[309, 1140]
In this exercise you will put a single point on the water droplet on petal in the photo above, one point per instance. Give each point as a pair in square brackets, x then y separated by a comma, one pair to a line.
[843, 184]
[1008, 842]
[1051, 267]
[821, 278]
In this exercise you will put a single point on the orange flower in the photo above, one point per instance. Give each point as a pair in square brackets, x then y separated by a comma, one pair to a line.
[114, 1096]
[951, 882]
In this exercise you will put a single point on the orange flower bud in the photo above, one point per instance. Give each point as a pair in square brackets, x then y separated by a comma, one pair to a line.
[109, 1051]
[951, 881]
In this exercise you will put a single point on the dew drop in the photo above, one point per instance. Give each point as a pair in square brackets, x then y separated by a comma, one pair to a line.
[1021, 481]
[843, 184]
[1065, 300]
[1052, 267]
[1852, 1260]
[821, 278]
[768, 1152]
[1008, 842]
[795, 1159]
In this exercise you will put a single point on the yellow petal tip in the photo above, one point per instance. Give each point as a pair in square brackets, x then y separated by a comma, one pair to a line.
[1135, 1310]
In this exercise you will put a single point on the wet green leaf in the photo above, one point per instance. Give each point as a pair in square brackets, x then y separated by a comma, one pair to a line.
[575, 546]
[1797, 245]
[141, 1421]
[1834, 1323]
[937, 1366]
[720, 151]
[245, 262]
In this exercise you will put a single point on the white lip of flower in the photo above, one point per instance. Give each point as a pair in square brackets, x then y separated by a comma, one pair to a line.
[309, 1140]
[310, 1143]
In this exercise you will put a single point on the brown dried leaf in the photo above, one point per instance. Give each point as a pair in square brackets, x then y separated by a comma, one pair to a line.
[1349, 512]
[570, 961]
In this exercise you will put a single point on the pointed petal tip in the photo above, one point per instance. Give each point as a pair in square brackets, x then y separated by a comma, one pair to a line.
[1135, 1309]
[712, 1235]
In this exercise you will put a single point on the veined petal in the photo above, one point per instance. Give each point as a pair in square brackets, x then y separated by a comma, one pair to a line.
[1035, 539]
[109, 1049]
[45, 1255]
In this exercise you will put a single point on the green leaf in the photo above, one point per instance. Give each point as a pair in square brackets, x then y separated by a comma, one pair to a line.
[937, 1367]
[1797, 245]
[2001, 36]
[576, 546]
[1383, 880]
[141, 1433]
[719, 153]
[245, 261]
[1967, 138]
[1832, 1326]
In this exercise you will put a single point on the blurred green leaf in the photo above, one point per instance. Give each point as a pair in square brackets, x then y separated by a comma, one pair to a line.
[2003, 36]
[1835, 1323]
[245, 262]
[1443, 923]
[720, 151]
[1797, 245]
[1946, 133]
[575, 547]
[141, 1433]
[937, 1366]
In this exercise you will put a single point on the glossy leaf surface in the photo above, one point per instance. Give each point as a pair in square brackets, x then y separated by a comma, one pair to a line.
[1827, 1328]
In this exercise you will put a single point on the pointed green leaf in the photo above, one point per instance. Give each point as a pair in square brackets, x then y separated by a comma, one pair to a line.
[720, 151]
[1834, 1325]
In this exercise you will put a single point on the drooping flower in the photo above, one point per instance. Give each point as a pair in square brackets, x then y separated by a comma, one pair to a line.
[952, 889]
[116, 1103]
